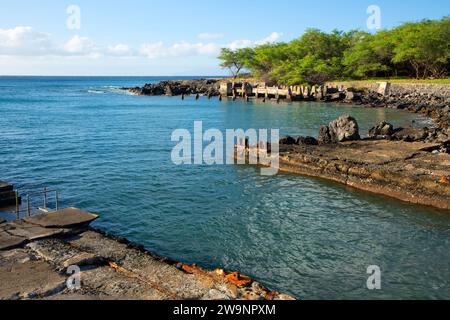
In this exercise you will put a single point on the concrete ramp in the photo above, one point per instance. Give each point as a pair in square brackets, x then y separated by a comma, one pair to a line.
[57, 223]
[65, 218]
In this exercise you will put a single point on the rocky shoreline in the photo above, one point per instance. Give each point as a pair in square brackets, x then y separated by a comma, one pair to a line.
[432, 105]
[38, 256]
[205, 87]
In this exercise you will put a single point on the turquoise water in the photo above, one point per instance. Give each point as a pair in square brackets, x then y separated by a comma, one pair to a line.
[109, 152]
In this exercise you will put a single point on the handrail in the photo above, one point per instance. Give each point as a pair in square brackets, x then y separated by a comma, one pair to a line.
[29, 209]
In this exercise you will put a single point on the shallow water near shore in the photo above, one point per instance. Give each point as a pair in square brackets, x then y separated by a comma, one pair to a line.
[109, 152]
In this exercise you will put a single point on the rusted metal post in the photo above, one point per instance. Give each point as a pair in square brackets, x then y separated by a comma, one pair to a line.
[57, 200]
[17, 205]
[28, 206]
[45, 198]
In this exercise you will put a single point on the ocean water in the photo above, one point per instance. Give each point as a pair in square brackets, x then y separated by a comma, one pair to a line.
[109, 152]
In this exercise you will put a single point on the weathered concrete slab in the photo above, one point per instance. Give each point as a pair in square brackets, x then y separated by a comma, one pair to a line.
[8, 241]
[65, 218]
[31, 231]
[23, 276]
[110, 269]
[5, 186]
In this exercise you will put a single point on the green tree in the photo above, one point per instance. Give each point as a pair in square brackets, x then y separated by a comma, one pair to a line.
[424, 46]
[367, 56]
[419, 49]
[236, 60]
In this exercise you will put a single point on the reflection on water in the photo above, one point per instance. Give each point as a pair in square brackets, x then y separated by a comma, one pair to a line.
[110, 153]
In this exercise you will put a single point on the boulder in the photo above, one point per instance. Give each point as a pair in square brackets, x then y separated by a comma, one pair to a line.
[343, 129]
[410, 134]
[352, 96]
[324, 135]
[445, 147]
[381, 131]
[309, 141]
[288, 141]
[335, 97]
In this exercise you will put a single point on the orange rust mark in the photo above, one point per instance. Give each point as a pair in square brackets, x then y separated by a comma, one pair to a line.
[444, 180]
[118, 268]
[238, 279]
[152, 284]
[194, 269]
[271, 295]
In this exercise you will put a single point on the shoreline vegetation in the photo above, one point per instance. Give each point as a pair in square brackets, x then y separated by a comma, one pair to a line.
[418, 50]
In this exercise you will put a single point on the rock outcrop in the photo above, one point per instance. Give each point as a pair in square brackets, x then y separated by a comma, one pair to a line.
[383, 130]
[305, 141]
[178, 88]
[343, 129]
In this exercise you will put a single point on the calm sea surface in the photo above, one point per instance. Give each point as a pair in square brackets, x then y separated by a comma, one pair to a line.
[109, 152]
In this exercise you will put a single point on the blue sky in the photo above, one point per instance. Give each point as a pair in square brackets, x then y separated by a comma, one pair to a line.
[138, 37]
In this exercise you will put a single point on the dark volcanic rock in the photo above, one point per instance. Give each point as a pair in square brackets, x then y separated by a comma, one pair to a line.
[343, 129]
[324, 135]
[308, 141]
[382, 131]
[410, 134]
[288, 141]
[177, 88]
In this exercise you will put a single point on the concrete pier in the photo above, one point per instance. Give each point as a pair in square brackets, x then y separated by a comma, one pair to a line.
[7, 195]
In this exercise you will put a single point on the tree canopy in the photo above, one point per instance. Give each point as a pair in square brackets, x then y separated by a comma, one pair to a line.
[419, 49]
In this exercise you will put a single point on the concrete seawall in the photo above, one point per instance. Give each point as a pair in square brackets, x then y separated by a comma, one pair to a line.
[438, 90]
[40, 256]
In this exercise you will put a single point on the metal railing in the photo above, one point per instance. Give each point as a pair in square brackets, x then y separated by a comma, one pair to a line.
[28, 207]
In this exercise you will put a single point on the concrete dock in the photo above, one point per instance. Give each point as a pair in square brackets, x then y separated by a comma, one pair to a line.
[38, 256]
[7, 195]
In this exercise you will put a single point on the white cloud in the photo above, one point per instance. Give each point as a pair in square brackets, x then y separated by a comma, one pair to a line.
[119, 50]
[153, 50]
[210, 36]
[24, 41]
[239, 44]
[272, 38]
[80, 46]
[159, 50]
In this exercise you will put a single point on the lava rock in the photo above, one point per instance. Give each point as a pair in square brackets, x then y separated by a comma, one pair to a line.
[288, 141]
[308, 141]
[324, 135]
[410, 134]
[343, 129]
[381, 131]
